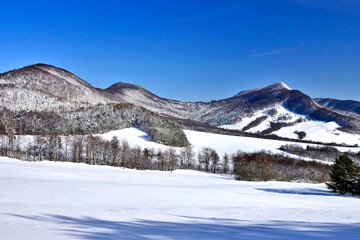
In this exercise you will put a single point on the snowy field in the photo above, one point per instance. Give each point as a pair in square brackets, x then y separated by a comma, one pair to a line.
[221, 143]
[49, 200]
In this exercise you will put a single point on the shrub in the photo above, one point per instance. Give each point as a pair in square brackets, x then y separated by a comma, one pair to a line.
[301, 134]
[265, 166]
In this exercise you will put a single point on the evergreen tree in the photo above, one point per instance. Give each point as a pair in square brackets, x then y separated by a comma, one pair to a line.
[343, 176]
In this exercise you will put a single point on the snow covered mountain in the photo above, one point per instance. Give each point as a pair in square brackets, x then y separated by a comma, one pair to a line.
[41, 86]
[232, 110]
[342, 105]
[274, 109]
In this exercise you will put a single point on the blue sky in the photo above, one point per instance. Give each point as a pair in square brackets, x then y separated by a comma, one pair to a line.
[191, 50]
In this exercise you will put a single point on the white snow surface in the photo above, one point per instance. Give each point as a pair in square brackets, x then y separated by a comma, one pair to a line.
[60, 200]
[221, 143]
[326, 132]
[321, 132]
[134, 137]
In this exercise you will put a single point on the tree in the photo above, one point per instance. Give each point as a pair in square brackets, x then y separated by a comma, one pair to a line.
[205, 157]
[226, 160]
[189, 156]
[160, 160]
[343, 176]
[126, 153]
[172, 159]
[136, 158]
[115, 148]
[77, 152]
[214, 160]
[146, 158]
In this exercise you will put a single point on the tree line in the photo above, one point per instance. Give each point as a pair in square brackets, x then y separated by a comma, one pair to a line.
[95, 150]
[88, 119]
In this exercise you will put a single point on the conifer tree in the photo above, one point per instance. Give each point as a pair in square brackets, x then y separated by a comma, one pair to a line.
[343, 176]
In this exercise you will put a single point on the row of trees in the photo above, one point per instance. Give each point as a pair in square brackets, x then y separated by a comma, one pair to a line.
[344, 176]
[259, 166]
[97, 151]
[325, 153]
[265, 166]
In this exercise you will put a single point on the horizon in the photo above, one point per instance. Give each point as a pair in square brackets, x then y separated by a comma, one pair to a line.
[192, 51]
[239, 91]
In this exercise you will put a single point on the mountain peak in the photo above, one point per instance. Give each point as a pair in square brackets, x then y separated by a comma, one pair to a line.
[279, 85]
[123, 85]
[271, 87]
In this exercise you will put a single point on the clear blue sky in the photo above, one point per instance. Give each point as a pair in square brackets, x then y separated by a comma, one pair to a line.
[191, 50]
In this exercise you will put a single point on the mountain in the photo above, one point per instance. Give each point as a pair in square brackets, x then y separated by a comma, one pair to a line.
[43, 99]
[42, 87]
[233, 109]
[342, 105]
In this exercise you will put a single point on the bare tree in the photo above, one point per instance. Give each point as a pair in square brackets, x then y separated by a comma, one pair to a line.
[226, 160]
[214, 160]
[204, 157]
[160, 160]
[172, 159]
[115, 149]
[126, 153]
[189, 156]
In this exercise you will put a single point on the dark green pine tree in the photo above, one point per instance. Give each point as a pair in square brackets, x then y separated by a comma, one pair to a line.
[344, 176]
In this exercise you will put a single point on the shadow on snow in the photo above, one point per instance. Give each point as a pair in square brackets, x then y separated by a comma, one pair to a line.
[90, 228]
[305, 191]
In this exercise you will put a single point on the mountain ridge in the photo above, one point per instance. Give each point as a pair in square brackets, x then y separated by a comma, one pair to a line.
[42, 86]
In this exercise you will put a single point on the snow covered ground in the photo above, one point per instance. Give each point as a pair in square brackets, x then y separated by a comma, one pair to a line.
[221, 143]
[57, 200]
[326, 132]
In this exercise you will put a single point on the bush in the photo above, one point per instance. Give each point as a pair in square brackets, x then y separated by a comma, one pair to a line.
[265, 166]
[301, 134]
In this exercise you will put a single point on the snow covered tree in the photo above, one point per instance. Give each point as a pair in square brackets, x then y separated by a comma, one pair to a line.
[343, 176]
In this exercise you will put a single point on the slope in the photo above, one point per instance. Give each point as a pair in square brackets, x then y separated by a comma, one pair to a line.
[49, 200]
[41, 86]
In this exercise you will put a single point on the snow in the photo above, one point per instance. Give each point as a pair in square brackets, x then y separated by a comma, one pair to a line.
[221, 143]
[318, 131]
[72, 79]
[57, 200]
[230, 144]
[281, 111]
[274, 86]
[134, 137]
